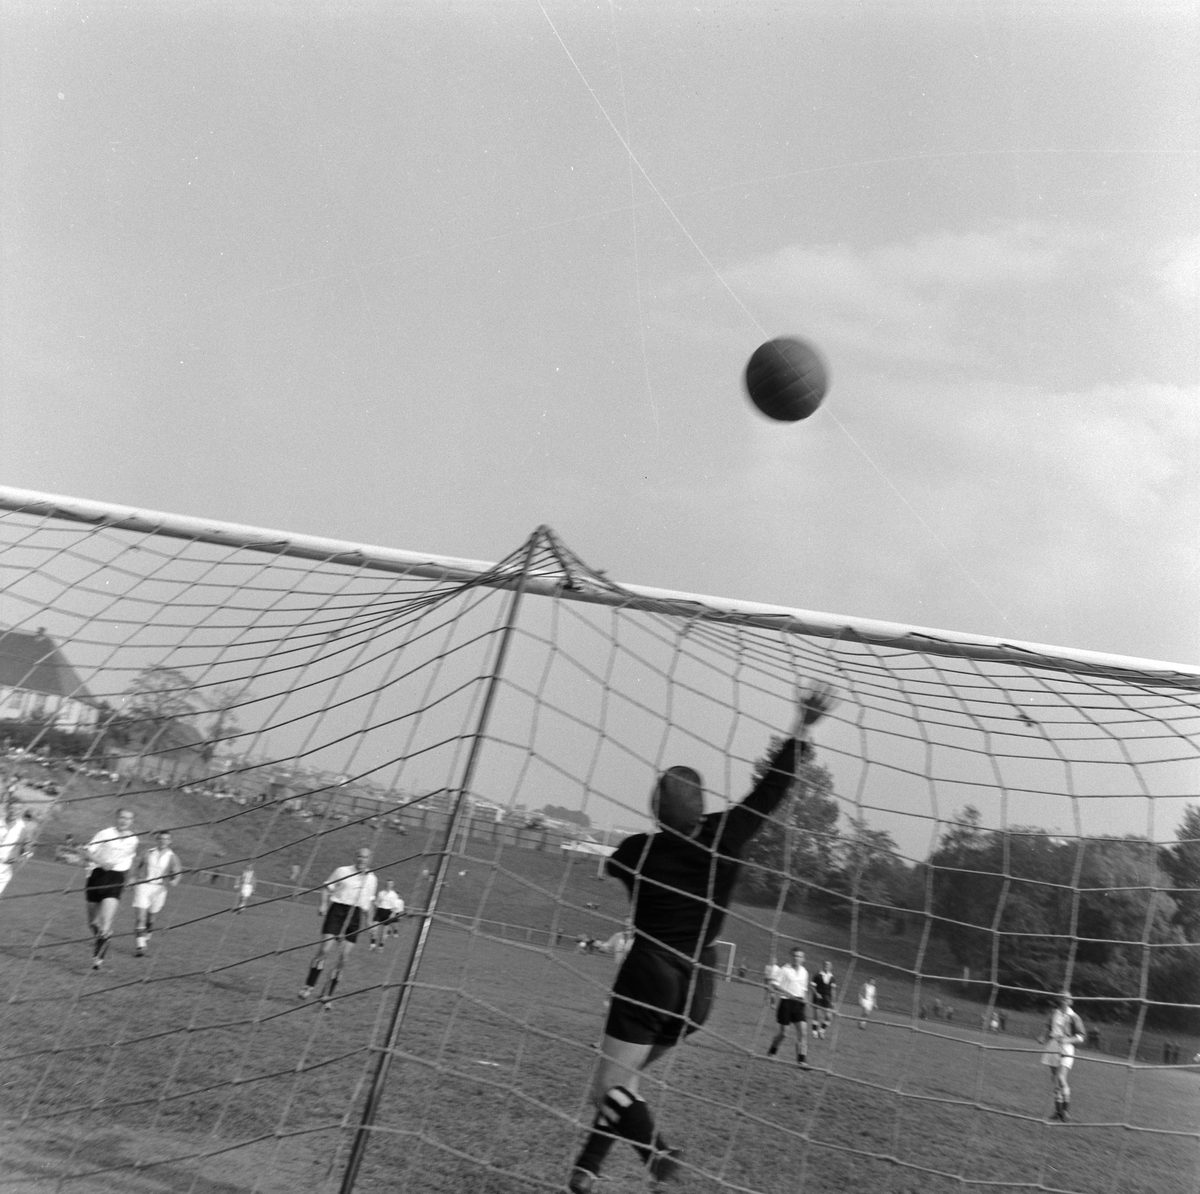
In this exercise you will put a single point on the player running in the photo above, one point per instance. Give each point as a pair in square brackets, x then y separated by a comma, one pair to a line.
[1063, 1031]
[389, 908]
[791, 982]
[157, 869]
[109, 857]
[824, 992]
[347, 899]
[680, 880]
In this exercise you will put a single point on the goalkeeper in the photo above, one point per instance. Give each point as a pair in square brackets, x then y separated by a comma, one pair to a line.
[680, 881]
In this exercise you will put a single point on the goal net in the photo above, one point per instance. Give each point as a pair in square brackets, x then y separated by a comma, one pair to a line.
[983, 824]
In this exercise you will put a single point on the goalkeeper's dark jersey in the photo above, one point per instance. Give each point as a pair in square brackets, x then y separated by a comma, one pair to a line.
[681, 887]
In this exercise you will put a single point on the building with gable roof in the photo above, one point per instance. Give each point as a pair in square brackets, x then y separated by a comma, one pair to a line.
[38, 684]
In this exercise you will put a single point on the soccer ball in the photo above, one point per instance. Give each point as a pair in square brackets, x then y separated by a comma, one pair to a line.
[786, 379]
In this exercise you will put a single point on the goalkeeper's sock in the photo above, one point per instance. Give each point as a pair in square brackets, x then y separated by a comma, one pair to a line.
[622, 1114]
[314, 974]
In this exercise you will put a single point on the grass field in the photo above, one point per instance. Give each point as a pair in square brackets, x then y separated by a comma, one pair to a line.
[196, 1070]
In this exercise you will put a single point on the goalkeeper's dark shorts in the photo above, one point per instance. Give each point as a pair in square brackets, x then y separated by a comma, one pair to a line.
[343, 920]
[660, 997]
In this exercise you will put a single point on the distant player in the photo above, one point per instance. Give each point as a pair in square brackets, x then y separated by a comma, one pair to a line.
[109, 857]
[389, 908]
[791, 982]
[245, 888]
[680, 880]
[867, 1001]
[1063, 1031]
[824, 991]
[12, 835]
[617, 946]
[157, 869]
[347, 901]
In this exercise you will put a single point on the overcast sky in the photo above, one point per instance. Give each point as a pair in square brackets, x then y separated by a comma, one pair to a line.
[428, 275]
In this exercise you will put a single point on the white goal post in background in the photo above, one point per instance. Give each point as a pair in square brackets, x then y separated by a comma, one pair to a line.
[278, 701]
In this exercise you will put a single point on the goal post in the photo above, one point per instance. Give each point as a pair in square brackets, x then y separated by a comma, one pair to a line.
[726, 958]
[1022, 813]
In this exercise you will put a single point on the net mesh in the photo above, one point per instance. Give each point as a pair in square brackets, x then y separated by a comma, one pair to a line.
[979, 828]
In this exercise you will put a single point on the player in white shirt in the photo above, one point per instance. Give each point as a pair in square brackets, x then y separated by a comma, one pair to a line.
[617, 946]
[389, 908]
[1063, 1031]
[867, 1000]
[245, 888]
[790, 983]
[12, 834]
[109, 857]
[347, 900]
[157, 869]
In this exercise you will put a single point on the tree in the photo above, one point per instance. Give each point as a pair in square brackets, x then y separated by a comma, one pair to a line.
[866, 869]
[559, 813]
[1182, 864]
[792, 852]
[223, 703]
[1032, 905]
[160, 694]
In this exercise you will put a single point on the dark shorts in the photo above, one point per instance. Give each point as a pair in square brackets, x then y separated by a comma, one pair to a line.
[103, 885]
[791, 1011]
[385, 916]
[343, 920]
[659, 997]
[822, 1001]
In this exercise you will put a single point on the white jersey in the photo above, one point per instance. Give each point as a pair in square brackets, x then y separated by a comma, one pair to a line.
[112, 849]
[349, 885]
[159, 865]
[10, 841]
[1062, 1029]
[389, 901]
[791, 981]
[619, 945]
[866, 997]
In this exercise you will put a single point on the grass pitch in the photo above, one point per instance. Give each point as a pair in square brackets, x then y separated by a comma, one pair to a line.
[196, 1071]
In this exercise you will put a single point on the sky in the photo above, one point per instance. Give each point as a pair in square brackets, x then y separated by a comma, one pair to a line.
[431, 275]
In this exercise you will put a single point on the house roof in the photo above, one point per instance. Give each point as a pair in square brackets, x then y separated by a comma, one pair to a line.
[35, 663]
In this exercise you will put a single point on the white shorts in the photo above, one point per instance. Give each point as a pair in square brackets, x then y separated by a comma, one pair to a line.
[6, 873]
[246, 892]
[1057, 1054]
[151, 896]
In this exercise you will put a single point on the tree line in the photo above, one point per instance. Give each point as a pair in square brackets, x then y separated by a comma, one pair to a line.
[1116, 917]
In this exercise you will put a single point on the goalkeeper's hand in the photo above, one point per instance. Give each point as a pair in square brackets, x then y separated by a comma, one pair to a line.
[812, 704]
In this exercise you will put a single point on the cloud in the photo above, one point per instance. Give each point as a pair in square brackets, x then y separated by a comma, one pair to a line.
[905, 301]
[1179, 275]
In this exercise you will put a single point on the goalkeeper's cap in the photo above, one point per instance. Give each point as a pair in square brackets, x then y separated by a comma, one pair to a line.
[678, 799]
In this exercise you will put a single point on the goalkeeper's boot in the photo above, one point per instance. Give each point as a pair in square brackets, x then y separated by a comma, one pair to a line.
[664, 1167]
[581, 1181]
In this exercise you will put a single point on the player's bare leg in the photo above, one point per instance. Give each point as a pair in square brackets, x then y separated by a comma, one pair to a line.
[317, 966]
[1062, 1092]
[622, 1113]
[101, 915]
[144, 926]
[343, 955]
